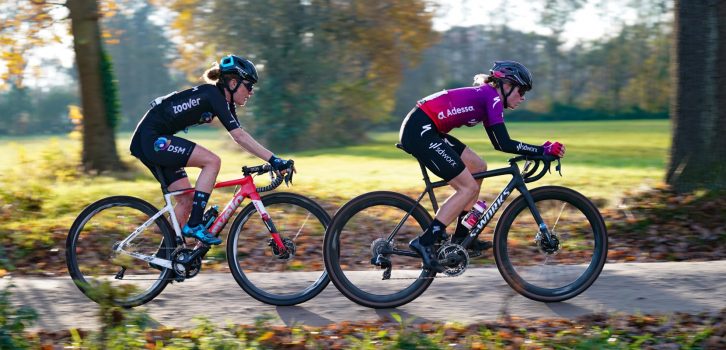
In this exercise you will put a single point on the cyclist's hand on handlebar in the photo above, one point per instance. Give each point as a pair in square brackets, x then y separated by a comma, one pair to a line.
[282, 165]
[554, 149]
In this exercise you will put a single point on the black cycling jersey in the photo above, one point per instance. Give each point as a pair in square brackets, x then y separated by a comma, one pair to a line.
[198, 105]
[154, 142]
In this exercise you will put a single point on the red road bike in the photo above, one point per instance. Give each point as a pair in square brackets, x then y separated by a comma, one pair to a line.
[138, 248]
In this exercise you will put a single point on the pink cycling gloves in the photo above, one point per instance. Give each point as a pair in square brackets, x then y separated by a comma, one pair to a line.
[554, 149]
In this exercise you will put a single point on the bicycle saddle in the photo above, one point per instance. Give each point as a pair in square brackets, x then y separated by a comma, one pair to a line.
[400, 146]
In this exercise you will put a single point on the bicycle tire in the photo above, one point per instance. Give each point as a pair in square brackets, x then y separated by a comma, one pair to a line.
[348, 245]
[290, 212]
[89, 250]
[582, 239]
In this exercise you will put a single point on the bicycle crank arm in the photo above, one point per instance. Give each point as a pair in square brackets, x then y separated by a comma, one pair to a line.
[149, 258]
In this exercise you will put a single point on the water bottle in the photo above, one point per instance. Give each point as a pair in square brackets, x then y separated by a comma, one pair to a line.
[209, 217]
[473, 216]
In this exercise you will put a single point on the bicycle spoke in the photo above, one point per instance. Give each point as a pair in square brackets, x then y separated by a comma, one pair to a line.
[551, 271]
[90, 249]
[301, 227]
[258, 264]
[558, 216]
[357, 259]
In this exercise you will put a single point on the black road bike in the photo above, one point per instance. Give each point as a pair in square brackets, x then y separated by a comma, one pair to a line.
[550, 243]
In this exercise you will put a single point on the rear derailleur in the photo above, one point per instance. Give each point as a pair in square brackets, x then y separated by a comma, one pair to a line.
[380, 257]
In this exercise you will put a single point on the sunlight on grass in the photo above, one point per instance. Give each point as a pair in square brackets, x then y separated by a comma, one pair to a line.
[603, 160]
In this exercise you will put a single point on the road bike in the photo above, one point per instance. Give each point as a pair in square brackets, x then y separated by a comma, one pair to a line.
[132, 245]
[550, 243]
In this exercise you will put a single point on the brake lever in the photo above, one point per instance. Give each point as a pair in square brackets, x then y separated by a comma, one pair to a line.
[288, 178]
[559, 167]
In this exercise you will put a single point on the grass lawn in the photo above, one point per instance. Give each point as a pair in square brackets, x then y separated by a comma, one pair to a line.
[41, 192]
[603, 160]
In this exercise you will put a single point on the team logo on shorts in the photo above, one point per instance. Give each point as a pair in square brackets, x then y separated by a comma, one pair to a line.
[161, 144]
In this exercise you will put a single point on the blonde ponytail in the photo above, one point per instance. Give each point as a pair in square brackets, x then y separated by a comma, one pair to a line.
[212, 75]
[481, 79]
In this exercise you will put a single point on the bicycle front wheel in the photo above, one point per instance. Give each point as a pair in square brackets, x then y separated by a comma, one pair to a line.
[359, 232]
[271, 279]
[546, 273]
[92, 261]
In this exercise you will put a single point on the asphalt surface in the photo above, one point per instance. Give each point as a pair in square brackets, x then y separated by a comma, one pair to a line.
[480, 294]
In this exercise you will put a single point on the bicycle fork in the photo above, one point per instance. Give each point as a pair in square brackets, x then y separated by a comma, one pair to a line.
[282, 249]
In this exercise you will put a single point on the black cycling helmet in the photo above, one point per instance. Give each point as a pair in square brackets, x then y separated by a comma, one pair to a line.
[514, 72]
[239, 66]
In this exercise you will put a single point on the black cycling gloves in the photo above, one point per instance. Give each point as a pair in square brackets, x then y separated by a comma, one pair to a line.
[280, 164]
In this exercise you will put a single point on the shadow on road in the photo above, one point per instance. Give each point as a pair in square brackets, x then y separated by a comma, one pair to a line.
[292, 315]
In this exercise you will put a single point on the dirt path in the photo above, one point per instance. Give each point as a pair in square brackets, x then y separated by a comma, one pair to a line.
[479, 294]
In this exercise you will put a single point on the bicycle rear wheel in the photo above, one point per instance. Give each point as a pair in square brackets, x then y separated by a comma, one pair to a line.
[267, 278]
[91, 259]
[361, 229]
[551, 276]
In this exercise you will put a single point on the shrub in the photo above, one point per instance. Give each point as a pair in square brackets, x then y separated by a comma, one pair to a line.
[13, 322]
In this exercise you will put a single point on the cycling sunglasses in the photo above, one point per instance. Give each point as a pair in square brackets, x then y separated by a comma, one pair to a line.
[248, 85]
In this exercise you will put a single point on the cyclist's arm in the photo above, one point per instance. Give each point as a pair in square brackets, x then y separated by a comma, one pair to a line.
[246, 141]
[502, 142]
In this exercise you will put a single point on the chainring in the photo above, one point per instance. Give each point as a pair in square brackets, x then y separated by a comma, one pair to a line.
[455, 252]
[185, 270]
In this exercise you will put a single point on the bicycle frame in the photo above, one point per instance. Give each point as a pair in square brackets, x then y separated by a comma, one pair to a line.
[517, 183]
[246, 189]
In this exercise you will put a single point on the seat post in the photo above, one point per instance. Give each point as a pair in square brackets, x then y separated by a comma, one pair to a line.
[162, 181]
[429, 189]
[426, 179]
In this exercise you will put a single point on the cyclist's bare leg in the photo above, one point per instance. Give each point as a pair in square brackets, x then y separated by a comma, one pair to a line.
[209, 163]
[467, 190]
[474, 164]
[183, 201]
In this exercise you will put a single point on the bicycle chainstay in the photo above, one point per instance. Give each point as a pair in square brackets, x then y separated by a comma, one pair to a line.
[438, 275]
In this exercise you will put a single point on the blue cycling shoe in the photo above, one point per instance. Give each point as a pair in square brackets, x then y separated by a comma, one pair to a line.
[199, 232]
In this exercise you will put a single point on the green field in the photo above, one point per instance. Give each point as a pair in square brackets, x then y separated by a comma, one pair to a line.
[42, 192]
[603, 160]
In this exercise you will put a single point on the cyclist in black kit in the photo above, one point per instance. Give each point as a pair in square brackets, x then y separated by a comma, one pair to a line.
[228, 83]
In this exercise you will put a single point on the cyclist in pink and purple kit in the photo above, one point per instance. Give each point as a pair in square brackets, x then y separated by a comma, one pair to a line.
[424, 134]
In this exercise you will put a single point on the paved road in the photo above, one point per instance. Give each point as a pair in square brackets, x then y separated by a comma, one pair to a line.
[479, 294]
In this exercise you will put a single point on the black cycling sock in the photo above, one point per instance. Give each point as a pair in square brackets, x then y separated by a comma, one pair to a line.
[200, 202]
[461, 230]
[433, 233]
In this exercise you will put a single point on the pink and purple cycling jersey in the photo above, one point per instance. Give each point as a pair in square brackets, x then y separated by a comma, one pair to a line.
[468, 106]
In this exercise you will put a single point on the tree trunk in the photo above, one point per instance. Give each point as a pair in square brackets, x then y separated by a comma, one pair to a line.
[698, 104]
[99, 143]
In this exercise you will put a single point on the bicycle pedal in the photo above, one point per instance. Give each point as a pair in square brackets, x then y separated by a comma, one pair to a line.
[387, 273]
